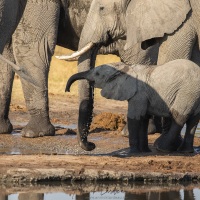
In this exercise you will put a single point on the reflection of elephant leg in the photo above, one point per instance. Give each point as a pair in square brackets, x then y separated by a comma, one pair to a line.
[33, 43]
[83, 196]
[31, 196]
[6, 80]
[129, 196]
[191, 125]
[189, 194]
[3, 197]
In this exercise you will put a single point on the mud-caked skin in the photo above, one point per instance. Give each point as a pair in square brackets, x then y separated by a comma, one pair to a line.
[33, 27]
[176, 98]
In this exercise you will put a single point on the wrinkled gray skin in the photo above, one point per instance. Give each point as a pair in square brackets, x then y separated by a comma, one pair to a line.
[177, 96]
[32, 46]
[135, 27]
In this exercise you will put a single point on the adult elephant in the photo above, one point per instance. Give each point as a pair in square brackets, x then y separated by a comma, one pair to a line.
[135, 27]
[36, 25]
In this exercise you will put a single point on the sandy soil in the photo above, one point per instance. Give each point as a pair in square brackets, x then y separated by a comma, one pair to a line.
[60, 157]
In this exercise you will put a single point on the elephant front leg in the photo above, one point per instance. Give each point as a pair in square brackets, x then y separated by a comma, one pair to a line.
[37, 103]
[6, 80]
[143, 136]
[34, 42]
[134, 139]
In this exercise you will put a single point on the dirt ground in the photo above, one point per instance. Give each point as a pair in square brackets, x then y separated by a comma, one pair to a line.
[60, 158]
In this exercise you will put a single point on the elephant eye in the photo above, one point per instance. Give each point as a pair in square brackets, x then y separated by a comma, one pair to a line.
[97, 73]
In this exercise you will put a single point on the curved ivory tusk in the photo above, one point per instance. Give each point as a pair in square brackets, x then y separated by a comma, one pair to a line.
[76, 54]
[16, 67]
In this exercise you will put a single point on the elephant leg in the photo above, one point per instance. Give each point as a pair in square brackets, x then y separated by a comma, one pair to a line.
[6, 80]
[191, 125]
[154, 126]
[143, 137]
[31, 196]
[33, 44]
[166, 124]
[134, 126]
[167, 142]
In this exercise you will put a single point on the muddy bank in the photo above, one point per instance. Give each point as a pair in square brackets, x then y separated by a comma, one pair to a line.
[99, 165]
[70, 169]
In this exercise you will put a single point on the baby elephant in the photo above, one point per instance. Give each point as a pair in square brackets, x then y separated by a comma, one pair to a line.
[171, 90]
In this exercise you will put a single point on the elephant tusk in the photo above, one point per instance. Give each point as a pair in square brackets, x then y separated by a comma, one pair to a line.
[16, 67]
[75, 55]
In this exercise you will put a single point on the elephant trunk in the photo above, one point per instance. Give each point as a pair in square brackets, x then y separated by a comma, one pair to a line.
[86, 89]
[86, 97]
[75, 77]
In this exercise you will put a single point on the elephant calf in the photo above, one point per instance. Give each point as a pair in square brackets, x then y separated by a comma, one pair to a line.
[148, 92]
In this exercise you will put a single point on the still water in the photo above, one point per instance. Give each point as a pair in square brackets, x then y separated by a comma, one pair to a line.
[94, 192]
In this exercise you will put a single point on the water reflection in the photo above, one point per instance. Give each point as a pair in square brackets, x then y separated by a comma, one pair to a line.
[102, 192]
[170, 195]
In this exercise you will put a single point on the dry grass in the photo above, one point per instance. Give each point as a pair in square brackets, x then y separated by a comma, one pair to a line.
[60, 71]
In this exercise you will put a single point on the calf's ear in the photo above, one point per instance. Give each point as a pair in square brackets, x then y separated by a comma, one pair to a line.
[120, 86]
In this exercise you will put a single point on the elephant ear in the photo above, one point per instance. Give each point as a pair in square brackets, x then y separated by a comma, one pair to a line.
[120, 85]
[153, 18]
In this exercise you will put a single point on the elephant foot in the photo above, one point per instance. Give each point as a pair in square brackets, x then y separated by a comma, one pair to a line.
[145, 149]
[164, 144]
[185, 148]
[87, 146]
[131, 152]
[38, 127]
[5, 126]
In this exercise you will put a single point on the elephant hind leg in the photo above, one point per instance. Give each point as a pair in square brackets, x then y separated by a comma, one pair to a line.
[6, 80]
[191, 125]
[168, 142]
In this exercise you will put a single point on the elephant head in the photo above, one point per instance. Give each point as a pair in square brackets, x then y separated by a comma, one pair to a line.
[116, 80]
[133, 22]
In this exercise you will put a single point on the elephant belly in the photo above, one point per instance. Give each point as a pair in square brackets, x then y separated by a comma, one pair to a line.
[159, 109]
